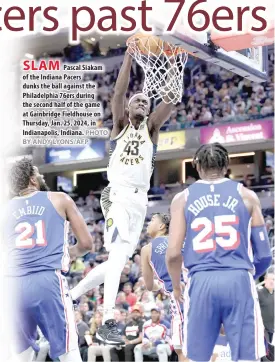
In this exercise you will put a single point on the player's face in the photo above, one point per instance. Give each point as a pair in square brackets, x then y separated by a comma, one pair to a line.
[139, 107]
[154, 226]
[38, 181]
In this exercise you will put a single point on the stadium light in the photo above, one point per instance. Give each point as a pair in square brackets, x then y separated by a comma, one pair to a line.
[28, 55]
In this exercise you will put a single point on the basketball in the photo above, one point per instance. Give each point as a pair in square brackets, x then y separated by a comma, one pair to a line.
[147, 44]
[150, 44]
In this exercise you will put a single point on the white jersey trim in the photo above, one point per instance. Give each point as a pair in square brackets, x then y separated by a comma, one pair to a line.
[186, 194]
[240, 188]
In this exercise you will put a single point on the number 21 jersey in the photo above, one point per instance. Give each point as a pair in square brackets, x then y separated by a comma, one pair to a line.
[218, 227]
[35, 236]
[132, 156]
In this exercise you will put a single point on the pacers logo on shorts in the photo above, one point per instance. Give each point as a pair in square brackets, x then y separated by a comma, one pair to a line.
[109, 223]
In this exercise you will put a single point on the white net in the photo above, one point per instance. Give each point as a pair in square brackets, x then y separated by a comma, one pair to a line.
[163, 65]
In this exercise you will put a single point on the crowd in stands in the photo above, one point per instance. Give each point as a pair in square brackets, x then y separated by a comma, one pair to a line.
[213, 96]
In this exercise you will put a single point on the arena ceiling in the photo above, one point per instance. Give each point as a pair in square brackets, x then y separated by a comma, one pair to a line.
[38, 44]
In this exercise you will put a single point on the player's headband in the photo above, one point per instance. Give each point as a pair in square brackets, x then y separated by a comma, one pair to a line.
[136, 95]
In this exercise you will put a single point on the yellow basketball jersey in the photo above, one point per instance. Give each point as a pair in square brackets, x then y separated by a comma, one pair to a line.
[132, 157]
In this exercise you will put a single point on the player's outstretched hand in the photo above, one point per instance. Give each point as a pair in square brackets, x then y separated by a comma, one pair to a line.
[178, 294]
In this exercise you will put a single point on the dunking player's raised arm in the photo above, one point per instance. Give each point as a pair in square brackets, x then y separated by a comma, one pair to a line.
[119, 97]
[259, 238]
[84, 239]
[177, 232]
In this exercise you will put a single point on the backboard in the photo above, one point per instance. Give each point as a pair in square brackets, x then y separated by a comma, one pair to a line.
[250, 63]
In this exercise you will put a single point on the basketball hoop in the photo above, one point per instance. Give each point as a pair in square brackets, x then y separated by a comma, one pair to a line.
[163, 65]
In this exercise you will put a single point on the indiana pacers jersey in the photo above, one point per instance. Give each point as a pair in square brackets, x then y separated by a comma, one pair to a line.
[35, 235]
[132, 156]
[218, 227]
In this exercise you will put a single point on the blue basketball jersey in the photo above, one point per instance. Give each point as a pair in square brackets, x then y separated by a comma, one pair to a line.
[158, 263]
[218, 227]
[36, 236]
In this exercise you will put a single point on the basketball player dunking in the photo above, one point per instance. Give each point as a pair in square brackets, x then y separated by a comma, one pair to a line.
[156, 276]
[133, 149]
[225, 244]
[35, 234]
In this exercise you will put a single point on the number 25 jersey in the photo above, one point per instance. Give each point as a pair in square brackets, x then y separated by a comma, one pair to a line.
[218, 227]
[132, 156]
[35, 236]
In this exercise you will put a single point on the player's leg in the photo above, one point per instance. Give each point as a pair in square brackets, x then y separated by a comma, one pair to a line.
[222, 349]
[19, 309]
[118, 257]
[113, 213]
[123, 227]
[56, 317]
[117, 221]
[43, 352]
[201, 316]
[242, 317]
[26, 356]
[93, 279]
[177, 327]
[180, 355]
[97, 275]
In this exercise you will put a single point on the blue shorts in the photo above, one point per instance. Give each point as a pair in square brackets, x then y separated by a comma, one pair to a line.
[227, 297]
[42, 300]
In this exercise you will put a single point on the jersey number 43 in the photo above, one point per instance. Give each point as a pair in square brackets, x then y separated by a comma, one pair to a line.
[26, 231]
[132, 148]
[223, 228]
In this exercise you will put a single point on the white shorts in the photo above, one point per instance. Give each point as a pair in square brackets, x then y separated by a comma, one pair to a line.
[124, 209]
[176, 322]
